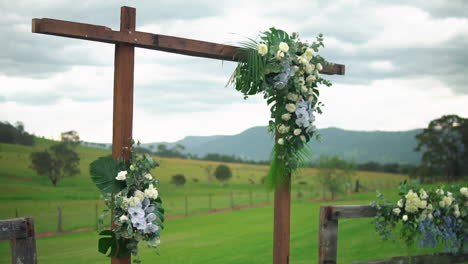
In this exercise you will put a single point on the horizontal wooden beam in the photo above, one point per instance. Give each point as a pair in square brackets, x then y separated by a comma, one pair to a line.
[17, 228]
[145, 40]
[436, 258]
[335, 212]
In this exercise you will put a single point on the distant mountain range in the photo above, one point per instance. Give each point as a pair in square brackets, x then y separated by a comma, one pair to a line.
[359, 146]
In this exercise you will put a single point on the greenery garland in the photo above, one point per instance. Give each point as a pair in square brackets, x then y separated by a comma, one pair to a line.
[130, 194]
[432, 217]
[287, 72]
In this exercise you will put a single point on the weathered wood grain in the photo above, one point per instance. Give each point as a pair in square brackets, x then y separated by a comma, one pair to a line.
[123, 98]
[20, 232]
[351, 211]
[439, 258]
[16, 228]
[145, 40]
[282, 225]
[328, 236]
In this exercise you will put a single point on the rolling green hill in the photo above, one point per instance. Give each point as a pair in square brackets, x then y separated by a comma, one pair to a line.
[358, 146]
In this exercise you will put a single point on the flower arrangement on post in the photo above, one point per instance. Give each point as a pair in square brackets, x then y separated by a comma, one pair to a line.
[287, 71]
[430, 216]
[131, 196]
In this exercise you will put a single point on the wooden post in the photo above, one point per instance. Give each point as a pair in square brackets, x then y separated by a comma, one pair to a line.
[186, 205]
[20, 232]
[209, 202]
[124, 61]
[59, 219]
[328, 236]
[281, 231]
[232, 200]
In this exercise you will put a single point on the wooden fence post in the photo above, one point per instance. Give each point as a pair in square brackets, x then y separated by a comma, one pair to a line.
[20, 232]
[59, 219]
[186, 205]
[209, 202]
[328, 236]
[232, 200]
[250, 197]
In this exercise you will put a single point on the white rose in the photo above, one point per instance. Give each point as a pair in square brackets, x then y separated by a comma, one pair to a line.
[303, 138]
[283, 129]
[151, 192]
[448, 200]
[262, 49]
[286, 117]
[291, 108]
[400, 203]
[464, 191]
[293, 97]
[310, 99]
[429, 207]
[279, 55]
[423, 204]
[281, 141]
[405, 218]
[430, 216]
[319, 66]
[397, 211]
[442, 204]
[148, 176]
[297, 131]
[139, 195]
[440, 192]
[423, 194]
[311, 78]
[121, 176]
[132, 168]
[123, 219]
[449, 194]
[309, 68]
[304, 89]
[456, 214]
[283, 46]
[309, 52]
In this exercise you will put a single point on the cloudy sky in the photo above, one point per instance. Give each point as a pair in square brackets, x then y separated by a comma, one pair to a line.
[406, 64]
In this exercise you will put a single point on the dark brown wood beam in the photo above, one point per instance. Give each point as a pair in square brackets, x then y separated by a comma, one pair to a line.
[145, 40]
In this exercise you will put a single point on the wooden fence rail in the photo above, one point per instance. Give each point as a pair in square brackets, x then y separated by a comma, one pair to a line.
[20, 232]
[328, 238]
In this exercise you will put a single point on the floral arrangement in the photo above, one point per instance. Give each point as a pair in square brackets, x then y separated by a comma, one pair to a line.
[131, 196]
[433, 217]
[287, 71]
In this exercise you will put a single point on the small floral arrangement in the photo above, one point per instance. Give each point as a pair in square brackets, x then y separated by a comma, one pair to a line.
[432, 217]
[287, 71]
[131, 196]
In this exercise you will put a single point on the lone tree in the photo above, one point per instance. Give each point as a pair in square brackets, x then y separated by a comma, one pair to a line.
[334, 174]
[70, 136]
[223, 173]
[56, 162]
[178, 180]
[444, 147]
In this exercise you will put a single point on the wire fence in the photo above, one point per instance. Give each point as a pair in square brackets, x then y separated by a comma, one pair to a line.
[77, 214]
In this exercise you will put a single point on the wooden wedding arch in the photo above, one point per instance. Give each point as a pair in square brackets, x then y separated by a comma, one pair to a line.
[125, 40]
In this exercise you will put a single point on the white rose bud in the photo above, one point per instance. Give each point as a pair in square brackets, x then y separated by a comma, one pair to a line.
[279, 55]
[456, 214]
[303, 138]
[297, 131]
[309, 52]
[281, 141]
[132, 168]
[319, 66]
[430, 216]
[148, 176]
[304, 89]
[123, 219]
[121, 176]
[286, 117]
[405, 218]
[283, 46]
[139, 195]
[423, 204]
[311, 78]
[397, 211]
[262, 49]
[293, 97]
[400, 203]
[291, 108]
[442, 204]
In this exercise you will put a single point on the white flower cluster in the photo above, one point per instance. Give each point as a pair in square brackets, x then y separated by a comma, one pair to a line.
[420, 206]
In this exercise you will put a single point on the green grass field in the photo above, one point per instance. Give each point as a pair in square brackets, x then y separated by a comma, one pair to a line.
[243, 236]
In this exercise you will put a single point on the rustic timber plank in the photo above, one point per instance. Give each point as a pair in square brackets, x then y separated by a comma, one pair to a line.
[159, 42]
[328, 236]
[438, 258]
[123, 98]
[23, 251]
[16, 228]
[281, 230]
[350, 211]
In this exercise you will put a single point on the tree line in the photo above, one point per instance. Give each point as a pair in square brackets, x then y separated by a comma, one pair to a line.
[15, 134]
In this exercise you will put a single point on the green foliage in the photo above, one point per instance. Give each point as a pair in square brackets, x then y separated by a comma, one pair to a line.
[15, 134]
[58, 161]
[103, 172]
[178, 179]
[335, 174]
[223, 173]
[444, 147]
